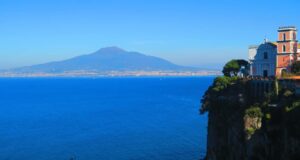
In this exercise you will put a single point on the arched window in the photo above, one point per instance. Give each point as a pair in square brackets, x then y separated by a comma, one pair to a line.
[294, 36]
[283, 48]
[284, 37]
[265, 55]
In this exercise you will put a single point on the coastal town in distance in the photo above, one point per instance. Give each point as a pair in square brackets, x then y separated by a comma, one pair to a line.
[116, 74]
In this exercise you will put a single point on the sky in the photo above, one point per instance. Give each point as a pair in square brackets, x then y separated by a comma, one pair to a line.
[203, 33]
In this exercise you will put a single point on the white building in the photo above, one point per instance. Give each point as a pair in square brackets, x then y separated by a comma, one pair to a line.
[262, 59]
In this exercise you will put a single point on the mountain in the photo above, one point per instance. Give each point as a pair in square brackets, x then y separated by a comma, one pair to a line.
[105, 60]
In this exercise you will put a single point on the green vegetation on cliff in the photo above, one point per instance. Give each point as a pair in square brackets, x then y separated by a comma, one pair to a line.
[222, 87]
[253, 112]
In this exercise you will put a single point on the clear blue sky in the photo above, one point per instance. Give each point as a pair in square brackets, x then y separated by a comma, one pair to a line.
[187, 32]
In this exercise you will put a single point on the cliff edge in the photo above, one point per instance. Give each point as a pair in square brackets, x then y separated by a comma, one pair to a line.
[251, 123]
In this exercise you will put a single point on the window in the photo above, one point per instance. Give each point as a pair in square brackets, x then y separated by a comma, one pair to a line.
[283, 48]
[284, 37]
[265, 73]
[265, 55]
[294, 36]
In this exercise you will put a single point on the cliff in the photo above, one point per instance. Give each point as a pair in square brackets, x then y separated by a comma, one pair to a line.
[243, 127]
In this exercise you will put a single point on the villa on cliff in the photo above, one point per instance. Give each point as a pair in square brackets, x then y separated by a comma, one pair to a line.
[275, 58]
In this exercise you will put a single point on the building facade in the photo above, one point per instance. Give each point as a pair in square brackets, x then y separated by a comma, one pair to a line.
[287, 47]
[275, 58]
[262, 59]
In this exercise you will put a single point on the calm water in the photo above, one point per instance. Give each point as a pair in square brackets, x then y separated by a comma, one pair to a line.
[102, 119]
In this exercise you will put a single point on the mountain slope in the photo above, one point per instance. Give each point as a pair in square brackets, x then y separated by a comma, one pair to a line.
[106, 59]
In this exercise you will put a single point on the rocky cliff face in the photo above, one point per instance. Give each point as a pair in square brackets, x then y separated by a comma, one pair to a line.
[241, 127]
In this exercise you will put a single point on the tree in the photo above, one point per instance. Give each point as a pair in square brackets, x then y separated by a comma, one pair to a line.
[296, 67]
[233, 67]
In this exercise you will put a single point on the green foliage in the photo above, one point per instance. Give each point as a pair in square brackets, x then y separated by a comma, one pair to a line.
[231, 67]
[234, 66]
[287, 93]
[268, 116]
[296, 67]
[250, 130]
[216, 90]
[255, 115]
[276, 87]
[294, 105]
[222, 83]
[286, 74]
[254, 112]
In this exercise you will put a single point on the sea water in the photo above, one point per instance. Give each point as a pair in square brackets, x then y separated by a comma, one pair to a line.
[102, 118]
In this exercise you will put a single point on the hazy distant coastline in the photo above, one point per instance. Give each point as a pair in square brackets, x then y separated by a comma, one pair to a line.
[108, 62]
[115, 74]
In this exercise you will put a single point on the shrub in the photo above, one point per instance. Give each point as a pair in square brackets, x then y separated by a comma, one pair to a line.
[296, 67]
[293, 106]
[223, 82]
[268, 116]
[286, 74]
[250, 131]
[215, 91]
[288, 93]
[254, 112]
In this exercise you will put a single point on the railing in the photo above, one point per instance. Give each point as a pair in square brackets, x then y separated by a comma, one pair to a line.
[270, 78]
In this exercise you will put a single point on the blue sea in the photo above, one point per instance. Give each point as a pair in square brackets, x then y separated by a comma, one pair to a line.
[102, 118]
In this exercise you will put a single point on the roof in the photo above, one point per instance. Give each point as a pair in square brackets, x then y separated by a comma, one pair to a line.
[274, 43]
